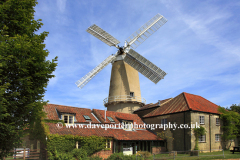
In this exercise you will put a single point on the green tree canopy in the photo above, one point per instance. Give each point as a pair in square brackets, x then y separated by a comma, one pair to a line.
[24, 71]
[231, 124]
[235, 108]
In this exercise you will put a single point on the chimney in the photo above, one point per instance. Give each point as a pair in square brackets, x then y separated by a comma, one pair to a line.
[105, 115]
[159, 102]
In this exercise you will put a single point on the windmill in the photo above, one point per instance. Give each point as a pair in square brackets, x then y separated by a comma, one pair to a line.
[124, 91]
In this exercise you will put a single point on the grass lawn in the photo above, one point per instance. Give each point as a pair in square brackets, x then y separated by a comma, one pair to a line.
[208, 155]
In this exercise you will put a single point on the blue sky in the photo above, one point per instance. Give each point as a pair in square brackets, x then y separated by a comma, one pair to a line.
[198, 47]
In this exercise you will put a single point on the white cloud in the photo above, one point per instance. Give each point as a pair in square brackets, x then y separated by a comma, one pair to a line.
[61, 4]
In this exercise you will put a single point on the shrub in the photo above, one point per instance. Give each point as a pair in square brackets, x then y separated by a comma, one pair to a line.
[120, 156]
[116, 156]
[198, 132]
[79, 153]
[95, 158]
[60, 156]
[145, 154]
[66, 144]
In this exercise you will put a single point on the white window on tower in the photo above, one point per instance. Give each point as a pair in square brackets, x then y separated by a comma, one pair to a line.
[201, 120]
[131, 94]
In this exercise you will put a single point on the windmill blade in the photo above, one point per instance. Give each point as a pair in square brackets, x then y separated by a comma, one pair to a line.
[102, 35]
[84, 80]
[146, 31]
[144, 66]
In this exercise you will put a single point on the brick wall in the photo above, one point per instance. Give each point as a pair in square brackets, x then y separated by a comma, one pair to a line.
[103, 154]
[156, 150]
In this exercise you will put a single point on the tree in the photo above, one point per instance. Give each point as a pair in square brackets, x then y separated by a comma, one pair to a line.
[231, 124]
[235, 108]
[24, 71]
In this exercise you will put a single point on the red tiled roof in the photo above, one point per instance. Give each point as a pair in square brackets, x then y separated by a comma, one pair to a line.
[116, 116]
[51, 110]
[198, 103]
[151, 105]
[185, 102]
[118, 134]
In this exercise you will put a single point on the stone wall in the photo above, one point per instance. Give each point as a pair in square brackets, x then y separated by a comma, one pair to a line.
[181, 137]
[184, 139]
[212, 129]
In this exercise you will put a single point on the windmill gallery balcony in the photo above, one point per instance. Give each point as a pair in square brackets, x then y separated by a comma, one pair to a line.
[123, 99]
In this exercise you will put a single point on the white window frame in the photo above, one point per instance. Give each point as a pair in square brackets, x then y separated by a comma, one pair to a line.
[68, 115]
[202, 138]
[78, 145]
[131, 94]
[217, 137]
[201, 120]
[128, 125]
[164, 121]
[108, 141]
[217, 121]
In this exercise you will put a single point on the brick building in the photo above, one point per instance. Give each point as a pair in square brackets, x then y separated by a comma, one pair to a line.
[128, 140]
[186, 109]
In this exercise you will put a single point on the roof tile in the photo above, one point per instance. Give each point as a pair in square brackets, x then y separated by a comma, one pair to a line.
[51, 110]
[118, 134]
[185, 102]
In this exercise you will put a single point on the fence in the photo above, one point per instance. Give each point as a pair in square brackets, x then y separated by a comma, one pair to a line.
[192, 154]
[23, 153]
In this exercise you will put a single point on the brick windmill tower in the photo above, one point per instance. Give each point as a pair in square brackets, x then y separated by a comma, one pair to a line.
[124, 92]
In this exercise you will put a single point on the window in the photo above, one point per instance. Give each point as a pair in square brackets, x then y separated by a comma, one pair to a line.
[68, 119]
[110, 119]
[217, 121]
[131, 94]
[78, 145]
[87, 118]
[201, 119]
[108, 143]
[217, 137]
[127, 125]
[202, 138]
[163, 121]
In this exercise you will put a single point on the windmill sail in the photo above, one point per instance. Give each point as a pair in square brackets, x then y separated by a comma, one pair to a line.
[84, 80]
[141, 64]
[146, 31]
[144, 66]
[102, 35]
